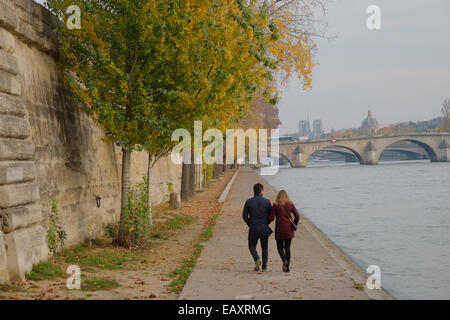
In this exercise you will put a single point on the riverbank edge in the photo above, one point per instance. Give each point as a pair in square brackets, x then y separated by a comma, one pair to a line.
[351, 268]
[226, 191]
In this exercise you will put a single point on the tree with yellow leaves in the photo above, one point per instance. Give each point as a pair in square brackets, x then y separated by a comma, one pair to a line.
[275, 43]
[143, 68]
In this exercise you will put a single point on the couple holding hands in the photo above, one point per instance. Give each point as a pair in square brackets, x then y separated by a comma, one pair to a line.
[258, 214]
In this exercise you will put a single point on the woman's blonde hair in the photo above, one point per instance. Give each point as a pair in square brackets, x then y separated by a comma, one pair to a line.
[282, 198]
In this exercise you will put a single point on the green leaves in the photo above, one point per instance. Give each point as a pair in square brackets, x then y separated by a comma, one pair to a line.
[143, 68]
[56, 235]
[136, 222]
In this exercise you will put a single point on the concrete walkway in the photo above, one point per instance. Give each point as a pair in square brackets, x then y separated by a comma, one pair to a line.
[319, 270]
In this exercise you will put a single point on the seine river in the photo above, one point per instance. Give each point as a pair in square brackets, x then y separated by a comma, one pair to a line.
[395, 215]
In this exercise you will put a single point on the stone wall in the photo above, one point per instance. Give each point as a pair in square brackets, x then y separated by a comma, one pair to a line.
[48, 148]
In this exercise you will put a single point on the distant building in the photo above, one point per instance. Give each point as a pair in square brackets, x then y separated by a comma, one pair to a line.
[369, 126]
[317, 129]
[304, 129]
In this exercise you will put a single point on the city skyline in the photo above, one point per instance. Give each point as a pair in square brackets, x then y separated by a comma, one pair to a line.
[401, 72]
[384, 125]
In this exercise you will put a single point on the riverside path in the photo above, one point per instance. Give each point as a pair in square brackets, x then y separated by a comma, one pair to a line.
[224, 270]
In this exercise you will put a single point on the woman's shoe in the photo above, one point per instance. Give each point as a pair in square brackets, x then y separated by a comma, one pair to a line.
[285, 266]
[257, 264]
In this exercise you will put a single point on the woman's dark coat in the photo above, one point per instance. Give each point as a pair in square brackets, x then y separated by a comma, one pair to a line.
[283, 226]
[256, 215]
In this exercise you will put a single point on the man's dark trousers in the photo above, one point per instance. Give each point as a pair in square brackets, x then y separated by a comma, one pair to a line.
[264, 247]
[256, 214]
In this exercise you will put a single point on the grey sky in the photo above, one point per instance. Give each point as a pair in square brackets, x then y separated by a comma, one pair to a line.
[401, 71]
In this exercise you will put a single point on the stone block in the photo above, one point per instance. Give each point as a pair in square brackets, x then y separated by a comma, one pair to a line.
[24, 248]
[15, 149]
[26, 30]
[10, 104]
[7, 16]
[9, 83]
[4, 276]
[14, 127]
[21, 217]
[7, 41]
[26, 5]
[16, 171]
[17, 194]
[28, 17]
[45, 15]
[443, 155]
[8, 62]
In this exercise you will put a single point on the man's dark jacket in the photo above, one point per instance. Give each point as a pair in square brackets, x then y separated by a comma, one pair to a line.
[256, 214]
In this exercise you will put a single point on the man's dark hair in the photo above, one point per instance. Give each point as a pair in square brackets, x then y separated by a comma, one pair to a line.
[257, 188]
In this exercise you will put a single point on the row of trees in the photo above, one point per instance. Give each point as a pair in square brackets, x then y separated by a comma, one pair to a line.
[143, 68]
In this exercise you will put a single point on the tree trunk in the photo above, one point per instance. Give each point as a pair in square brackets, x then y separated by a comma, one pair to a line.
[174, 202]
[216, 171]
[205, 174]
[126, 188]
[185, 174]
[149, 176]
[192, 177]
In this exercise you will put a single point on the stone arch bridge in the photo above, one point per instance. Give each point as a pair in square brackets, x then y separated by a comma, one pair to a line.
[367, 149]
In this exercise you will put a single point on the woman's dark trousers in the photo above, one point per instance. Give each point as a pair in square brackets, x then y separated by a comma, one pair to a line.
[284, 249]
[264, 247]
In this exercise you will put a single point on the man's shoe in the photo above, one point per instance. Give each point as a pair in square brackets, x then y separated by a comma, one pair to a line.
[285, 266]
[257, 264]
[264, 269]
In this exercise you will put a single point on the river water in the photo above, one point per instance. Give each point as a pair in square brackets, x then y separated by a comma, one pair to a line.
[395, 215]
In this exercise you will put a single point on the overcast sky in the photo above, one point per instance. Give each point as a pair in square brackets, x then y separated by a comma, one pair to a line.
[401, 71]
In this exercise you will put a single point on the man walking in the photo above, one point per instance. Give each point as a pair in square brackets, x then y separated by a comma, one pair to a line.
[256, 214]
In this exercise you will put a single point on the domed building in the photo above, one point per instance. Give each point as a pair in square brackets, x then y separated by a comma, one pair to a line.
[369, 126]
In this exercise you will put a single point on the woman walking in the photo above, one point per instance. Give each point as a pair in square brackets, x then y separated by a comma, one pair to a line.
[282, 210]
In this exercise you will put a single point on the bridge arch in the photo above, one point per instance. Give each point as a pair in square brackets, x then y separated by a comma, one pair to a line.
[282, 155]
[432, 153]
[368, 149]
[348, 155]
[404, 152]
[335, 148]
[340, 146]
